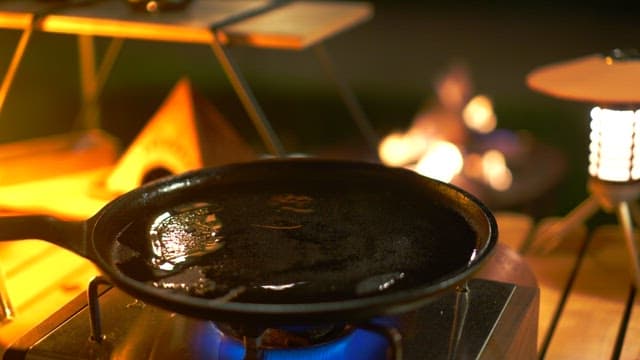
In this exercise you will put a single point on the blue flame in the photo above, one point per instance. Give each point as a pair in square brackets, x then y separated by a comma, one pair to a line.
[359, 344]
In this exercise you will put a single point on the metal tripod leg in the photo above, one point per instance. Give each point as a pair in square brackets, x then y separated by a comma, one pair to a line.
[92, 80]
[624, 217]
[269, 137]
[635, 211]
[349, 99]
[547, 239]
[7, 81]
[459, 319]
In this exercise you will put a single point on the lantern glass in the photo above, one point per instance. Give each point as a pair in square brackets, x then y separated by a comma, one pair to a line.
[615, 144]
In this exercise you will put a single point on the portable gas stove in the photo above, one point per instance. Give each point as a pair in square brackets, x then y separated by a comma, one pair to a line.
[487, 320]
[484, 319]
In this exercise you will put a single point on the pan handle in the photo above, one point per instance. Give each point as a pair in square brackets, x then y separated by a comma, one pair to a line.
[70, 235]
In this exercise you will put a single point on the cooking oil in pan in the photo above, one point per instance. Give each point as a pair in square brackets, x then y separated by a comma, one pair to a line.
[296, 243]
[183, 234]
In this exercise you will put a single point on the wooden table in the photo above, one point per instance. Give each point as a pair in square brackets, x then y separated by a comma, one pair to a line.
[588, 308]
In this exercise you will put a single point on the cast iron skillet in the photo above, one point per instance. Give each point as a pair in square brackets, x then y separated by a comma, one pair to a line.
[289, 241]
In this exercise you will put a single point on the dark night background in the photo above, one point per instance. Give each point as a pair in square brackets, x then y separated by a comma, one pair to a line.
[390, 61]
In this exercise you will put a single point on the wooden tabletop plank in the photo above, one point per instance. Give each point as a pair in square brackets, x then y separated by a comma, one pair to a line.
[513, 228]
[18, 14]
[16, 21]
[631, 347]
[589, 324]
[552, 270]
[297, 25]
[117, 19]
[258, 23]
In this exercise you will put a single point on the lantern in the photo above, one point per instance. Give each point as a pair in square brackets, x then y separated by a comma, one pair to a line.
[610, 83]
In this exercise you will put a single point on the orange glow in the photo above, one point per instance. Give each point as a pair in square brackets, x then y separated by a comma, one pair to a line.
[399, 149]
[435, 143]
[42, 277]
[478, 114]
[185, 133]
[454, 88]
[495, 170]
[442, 161]
[166, 142]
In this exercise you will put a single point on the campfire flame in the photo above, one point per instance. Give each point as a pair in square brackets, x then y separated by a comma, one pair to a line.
[495, 170]
[478, 115]
[435, 144]
[399, 149]
[442, 161]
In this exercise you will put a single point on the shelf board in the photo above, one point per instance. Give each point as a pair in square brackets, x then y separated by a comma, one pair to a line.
[256, 23]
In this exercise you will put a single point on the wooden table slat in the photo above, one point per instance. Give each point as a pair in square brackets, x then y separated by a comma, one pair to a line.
[588, 327]
[631, 347]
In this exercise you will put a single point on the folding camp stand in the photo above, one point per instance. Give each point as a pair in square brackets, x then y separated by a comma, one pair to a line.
[271, 24]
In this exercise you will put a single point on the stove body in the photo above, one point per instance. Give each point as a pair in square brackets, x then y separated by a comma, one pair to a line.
[500, 321]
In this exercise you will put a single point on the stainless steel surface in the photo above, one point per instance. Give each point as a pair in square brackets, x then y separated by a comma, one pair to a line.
[498, 316]
[425, 332]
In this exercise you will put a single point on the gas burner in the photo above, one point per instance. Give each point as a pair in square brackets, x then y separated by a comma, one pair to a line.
[290, 337]
[300, 342]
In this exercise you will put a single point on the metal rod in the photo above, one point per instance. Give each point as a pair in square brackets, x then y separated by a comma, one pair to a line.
[553, 236]
[253, 348]
[393, 336]
[6, 309]
[108, 60]
[349, 98]
[635, 211]
[14, 64]
[89, 114]
[257, 116]
[460, 311]
[91, 80]
[94, 308]
[624, 217]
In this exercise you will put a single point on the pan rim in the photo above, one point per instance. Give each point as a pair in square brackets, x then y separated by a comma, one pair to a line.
[354, 308]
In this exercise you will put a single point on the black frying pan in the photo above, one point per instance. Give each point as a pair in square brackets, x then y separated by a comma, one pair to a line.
[281, 241]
